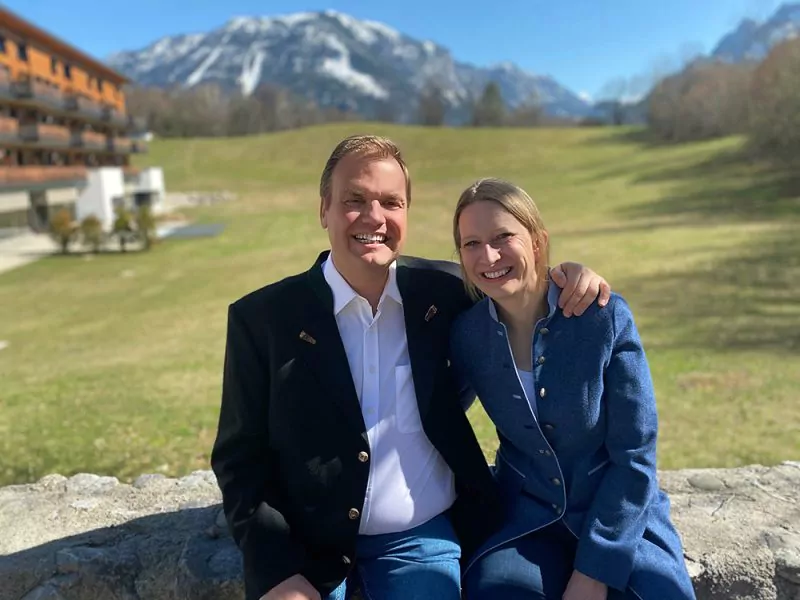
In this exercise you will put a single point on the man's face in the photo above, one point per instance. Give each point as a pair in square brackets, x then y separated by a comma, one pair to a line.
[365, 215]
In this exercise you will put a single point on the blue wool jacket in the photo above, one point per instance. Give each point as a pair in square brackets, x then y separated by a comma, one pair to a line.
[589, 458]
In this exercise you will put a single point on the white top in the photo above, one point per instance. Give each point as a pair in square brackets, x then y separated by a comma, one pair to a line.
[409, 481]
[530, 392]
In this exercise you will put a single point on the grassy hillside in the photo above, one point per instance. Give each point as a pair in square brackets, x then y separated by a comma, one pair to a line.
[114, 363]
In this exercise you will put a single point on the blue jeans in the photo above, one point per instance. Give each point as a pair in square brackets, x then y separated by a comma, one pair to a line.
[419, 564]
[534, 567]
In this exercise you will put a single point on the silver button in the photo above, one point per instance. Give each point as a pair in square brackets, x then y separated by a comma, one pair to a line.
[363, 456]
[541, 360]
[544, 331]
[542, 393]
[353, 514]
[556, 481]
[556, 508]
[346, 560]
[548, 426]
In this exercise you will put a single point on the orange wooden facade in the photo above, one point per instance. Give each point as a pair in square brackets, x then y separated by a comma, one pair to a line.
[59, 107]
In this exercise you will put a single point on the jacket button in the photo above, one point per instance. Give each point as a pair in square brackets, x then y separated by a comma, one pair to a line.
[556, 481]
[346, 560]
[363, 456]
[353, 514]
[544, 331]
[556, 508]
[548, 427]
[541, 360]
[542, 393]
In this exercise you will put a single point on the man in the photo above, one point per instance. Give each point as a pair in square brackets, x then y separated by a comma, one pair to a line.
[343, 453]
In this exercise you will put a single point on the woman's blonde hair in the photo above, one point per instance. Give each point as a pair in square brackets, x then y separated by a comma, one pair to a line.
[520, 205]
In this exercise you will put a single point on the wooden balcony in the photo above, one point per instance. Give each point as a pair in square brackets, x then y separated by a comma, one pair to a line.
[5, 82]
[90, 140]
[83, 106]
[9, 129]
[119, 144]
[45, 134]
[41, 175]
[114, 118]
[39, 91]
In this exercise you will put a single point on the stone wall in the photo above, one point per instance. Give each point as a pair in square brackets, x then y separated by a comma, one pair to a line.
[90, 537]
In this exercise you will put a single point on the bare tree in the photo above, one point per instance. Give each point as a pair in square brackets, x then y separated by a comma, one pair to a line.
[775, 123]
[432, 106]
[527, 114]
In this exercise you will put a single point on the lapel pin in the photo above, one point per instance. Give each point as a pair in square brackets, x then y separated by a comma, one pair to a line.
[307, 338]
[431, 313]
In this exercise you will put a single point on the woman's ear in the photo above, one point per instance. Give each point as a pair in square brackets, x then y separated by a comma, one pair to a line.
[539, 245]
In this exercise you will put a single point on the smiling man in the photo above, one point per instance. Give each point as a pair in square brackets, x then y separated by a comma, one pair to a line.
[343, 453]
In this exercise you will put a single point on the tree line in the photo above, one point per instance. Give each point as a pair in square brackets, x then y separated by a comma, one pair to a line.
[208, 110]
[759, 100]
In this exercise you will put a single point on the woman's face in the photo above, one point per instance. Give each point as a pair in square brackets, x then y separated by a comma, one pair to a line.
[497, 251]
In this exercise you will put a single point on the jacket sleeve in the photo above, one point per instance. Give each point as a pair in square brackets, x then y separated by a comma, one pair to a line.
[616, 520]
[240, 462]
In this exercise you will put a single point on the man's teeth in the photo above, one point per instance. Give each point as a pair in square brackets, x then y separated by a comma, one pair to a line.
[496, 274]
[371, 239]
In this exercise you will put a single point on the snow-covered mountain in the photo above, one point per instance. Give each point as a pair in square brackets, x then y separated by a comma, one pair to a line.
[338, 61]
[752, 41]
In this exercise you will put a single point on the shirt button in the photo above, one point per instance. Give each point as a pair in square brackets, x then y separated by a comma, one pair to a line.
[541, 360]
[353, 514]
[363, 456]
[556, 481]
[542, 393]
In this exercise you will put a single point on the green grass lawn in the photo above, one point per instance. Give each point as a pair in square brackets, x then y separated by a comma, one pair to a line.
[114, 363]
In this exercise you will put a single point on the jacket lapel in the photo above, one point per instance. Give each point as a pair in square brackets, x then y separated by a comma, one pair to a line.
[323, 348]
[419, 314]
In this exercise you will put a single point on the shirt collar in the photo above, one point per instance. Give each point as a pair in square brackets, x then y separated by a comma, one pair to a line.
[343, 294]
[553, 292]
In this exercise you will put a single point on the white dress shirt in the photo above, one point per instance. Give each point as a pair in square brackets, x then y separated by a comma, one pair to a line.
[409, 481]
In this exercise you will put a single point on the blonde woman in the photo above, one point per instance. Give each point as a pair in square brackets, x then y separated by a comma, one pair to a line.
[574, 408]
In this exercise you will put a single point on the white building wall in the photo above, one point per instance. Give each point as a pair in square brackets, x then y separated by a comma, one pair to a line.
[104, 186]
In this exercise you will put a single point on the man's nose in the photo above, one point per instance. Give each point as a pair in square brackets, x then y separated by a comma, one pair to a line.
[374, 212]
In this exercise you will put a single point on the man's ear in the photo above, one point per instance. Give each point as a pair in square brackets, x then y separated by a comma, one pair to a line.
[323, 219]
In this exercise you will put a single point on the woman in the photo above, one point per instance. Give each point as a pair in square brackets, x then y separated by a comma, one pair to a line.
[574, 408]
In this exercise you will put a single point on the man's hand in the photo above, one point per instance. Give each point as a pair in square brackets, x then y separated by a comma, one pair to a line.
[580, 286]
[583, 587]
[296, 587]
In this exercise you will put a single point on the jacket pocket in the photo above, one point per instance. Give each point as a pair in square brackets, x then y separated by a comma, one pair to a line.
[405, 404]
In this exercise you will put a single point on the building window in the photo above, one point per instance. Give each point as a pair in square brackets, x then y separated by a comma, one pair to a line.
[100, 85]
[2, 45]
[22, 51]
[54, 66]
[67, 71]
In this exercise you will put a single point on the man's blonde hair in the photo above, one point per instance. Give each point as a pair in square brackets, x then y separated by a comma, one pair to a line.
[520, 205]
[368, 146]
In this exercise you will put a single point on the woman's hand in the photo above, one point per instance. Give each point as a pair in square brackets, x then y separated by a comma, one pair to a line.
[583, 587]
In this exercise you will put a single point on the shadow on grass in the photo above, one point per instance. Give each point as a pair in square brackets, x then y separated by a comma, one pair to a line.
[747, 301]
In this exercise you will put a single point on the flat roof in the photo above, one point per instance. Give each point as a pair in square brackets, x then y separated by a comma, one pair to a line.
[28, 30]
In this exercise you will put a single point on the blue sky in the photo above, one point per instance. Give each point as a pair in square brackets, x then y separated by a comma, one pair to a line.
[584, 44]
